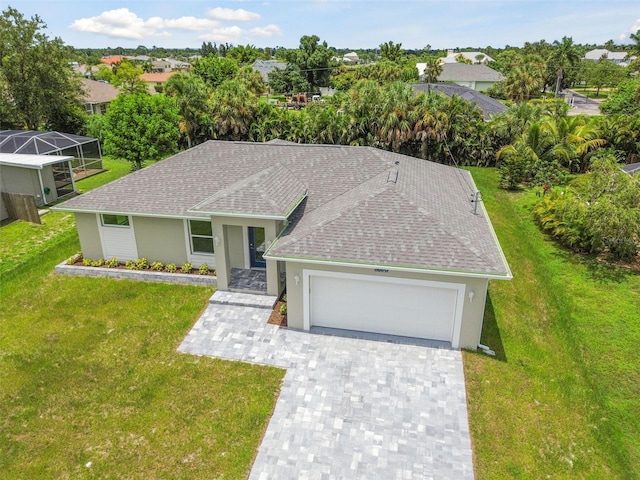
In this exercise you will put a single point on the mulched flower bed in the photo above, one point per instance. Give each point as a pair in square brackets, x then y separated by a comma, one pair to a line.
[194, 271]
[276, 317]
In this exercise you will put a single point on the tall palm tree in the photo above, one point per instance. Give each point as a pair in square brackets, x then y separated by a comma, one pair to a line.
[523, 82]
[565, 55]
[191, 95]
[432, 70]
[391, 52]
[233, 110]
[397, 118]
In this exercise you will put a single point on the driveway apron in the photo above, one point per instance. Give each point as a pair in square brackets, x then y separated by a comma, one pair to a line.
[349, 408]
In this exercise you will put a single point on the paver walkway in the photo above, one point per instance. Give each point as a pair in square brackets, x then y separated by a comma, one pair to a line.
[348, 408]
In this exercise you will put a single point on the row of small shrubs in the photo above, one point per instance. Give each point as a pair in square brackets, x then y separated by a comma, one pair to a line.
[140, 264]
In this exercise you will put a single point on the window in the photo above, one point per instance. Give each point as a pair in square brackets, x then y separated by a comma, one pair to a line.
[115, 220]
[201, 236]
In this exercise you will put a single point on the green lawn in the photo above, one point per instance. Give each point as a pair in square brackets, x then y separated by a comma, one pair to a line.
[562, 397]
[91, 385]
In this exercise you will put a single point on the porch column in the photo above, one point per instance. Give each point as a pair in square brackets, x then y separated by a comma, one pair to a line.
[223, 270]
[273, 266]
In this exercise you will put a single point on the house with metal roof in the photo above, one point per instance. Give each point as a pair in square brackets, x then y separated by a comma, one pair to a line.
[619, 58]
[476, 77]
[361, 239]
[476, 58]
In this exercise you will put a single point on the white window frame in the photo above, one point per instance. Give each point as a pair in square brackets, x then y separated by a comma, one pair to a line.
[109, 225]
[197, 258]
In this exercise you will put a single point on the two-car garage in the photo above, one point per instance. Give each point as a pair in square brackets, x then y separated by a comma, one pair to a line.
[382, 304]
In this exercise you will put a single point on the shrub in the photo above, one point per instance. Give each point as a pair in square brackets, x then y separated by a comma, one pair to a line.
[77, 257]
[112, 263]
[204, 269]
[86, 262]
[186, 267]
[157, 266]
[131, 265]
[170, 267]
[142, 263]
[97, 263]
[283, 309]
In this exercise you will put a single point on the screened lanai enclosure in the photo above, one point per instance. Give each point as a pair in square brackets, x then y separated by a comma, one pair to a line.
[86, 153]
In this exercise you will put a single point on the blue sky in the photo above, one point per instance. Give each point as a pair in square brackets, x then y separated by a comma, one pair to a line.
[343, 24]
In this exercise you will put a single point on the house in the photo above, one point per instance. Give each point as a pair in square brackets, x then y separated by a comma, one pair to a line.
[619, 58]
[351, 57]
[476, 58]
[155, 81]
[85, 151]
[265, 67]
[169, 65]
[47, 178]
[97, 96]
[489, 106]
[111, 59]
[476, 77]
[362, 239]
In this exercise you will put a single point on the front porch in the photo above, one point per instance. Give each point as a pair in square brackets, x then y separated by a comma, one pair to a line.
[248, 280]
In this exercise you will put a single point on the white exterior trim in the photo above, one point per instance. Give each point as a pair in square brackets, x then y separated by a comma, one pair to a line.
[197, 259]
[125, 234]
[458, 287]
[245, 246]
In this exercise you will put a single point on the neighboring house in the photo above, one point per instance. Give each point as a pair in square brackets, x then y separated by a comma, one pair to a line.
[84, 70]
[45, 177]
[351, 57]
[265, 67]
[98, 96]
[476, 58]
[169, 65]
[488, 105]
[632, 168]
[87, 157]
[363, 239]
[619, 58]
[155, 81]
[111, 59]
[476, 77]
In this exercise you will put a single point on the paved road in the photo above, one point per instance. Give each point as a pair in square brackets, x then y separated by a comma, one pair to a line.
[348, 408]
[583, 105]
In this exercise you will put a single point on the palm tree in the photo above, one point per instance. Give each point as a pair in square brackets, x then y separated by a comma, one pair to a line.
[397, 118]
[233, 110]
[432, 70]
[191, 95]
[635, 48]
[565, 54]
[522, 83]
[391, 52]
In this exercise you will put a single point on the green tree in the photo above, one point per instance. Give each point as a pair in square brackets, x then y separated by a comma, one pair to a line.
[604, 73]
[565, 55]
[391, 52]
[233, 110]
[625, 100]
[38, 85]
[215, 70]
[191, 95]
[251, 79]
[244, 55]
[141, 127]
[288, 80]
[523, 83]
[432, 69]
[313, 60]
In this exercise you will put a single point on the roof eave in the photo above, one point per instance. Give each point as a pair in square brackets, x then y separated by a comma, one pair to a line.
[391, 267]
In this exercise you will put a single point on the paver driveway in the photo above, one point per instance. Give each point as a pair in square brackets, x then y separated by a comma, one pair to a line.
[349, 408]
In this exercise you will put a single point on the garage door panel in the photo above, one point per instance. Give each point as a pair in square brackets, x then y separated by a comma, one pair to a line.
[407, 309]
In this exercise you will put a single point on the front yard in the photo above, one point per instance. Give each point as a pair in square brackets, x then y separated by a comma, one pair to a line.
[562, 396]
[92, 385]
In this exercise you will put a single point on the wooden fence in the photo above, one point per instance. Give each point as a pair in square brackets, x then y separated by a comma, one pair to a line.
[21, 207]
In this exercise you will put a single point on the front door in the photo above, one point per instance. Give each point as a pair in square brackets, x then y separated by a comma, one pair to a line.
[257, 247]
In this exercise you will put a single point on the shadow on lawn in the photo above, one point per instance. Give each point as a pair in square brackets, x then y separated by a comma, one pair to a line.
[598, 269]
[491, 332]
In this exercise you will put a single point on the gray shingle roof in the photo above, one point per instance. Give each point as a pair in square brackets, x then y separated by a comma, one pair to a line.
[489, 106]
[265, 67]
[631, 168]
[353, 212]
[461, 72]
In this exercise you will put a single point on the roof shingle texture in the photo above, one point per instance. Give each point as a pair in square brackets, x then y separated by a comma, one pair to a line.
[488, 105]
[461, 72]
[353, 211]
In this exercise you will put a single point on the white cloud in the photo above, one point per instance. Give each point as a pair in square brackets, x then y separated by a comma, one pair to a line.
[223, 34]
[230, 15]
[191, 23]
[267, 31]
[634, 28]
[120, 23]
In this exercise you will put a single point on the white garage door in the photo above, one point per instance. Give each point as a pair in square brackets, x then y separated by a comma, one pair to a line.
[391, 306]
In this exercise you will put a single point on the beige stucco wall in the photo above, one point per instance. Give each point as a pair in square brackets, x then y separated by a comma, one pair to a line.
[227, 235]
[25, 181]
[472, 315]
[235, 242]
[90, 243]
[484, 86]
[160, 239]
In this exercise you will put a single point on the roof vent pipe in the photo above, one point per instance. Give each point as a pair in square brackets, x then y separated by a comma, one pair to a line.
[393, 176]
